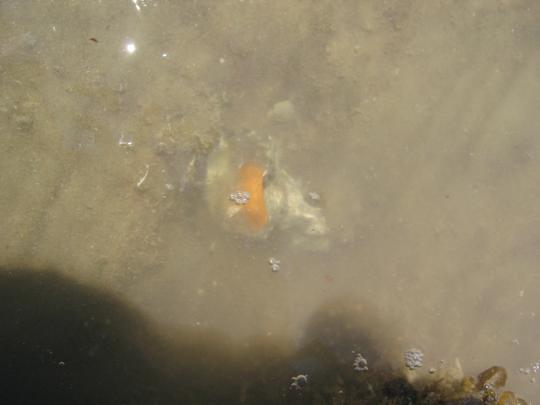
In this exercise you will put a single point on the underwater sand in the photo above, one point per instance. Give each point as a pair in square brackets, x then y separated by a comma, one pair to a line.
[416, 121]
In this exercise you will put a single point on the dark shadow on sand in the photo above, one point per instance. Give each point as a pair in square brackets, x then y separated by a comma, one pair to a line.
[65, 343]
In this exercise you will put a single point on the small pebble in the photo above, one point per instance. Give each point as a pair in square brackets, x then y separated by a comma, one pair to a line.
[274, 264]
[360, 363]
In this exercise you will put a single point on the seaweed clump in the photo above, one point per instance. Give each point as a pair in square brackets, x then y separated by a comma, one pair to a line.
[393, 389]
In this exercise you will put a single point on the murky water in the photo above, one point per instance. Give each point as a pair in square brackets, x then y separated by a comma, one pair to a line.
[415, 122]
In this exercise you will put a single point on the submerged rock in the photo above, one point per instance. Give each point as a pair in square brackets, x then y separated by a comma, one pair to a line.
[282, 112]
[250, 164]
[494, 377]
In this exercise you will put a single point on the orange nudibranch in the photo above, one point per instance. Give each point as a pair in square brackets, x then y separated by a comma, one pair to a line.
[251, 179]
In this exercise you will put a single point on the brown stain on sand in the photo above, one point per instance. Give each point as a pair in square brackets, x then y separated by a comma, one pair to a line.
[251, 179]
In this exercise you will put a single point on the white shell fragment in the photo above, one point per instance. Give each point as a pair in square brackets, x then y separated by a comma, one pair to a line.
[275, 264]
[125, 141]
[299, 381]
[143, 178]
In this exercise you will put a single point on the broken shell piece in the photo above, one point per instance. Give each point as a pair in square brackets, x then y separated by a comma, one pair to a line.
[299, 381]
[125, 141]
[143, 178]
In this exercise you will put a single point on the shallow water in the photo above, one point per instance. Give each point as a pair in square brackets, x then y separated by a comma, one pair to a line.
[415, 121]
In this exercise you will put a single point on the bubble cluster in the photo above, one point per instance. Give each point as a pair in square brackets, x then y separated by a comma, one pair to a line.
[414, 358]
[360, 363]
[239, 197]
[534, 368]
